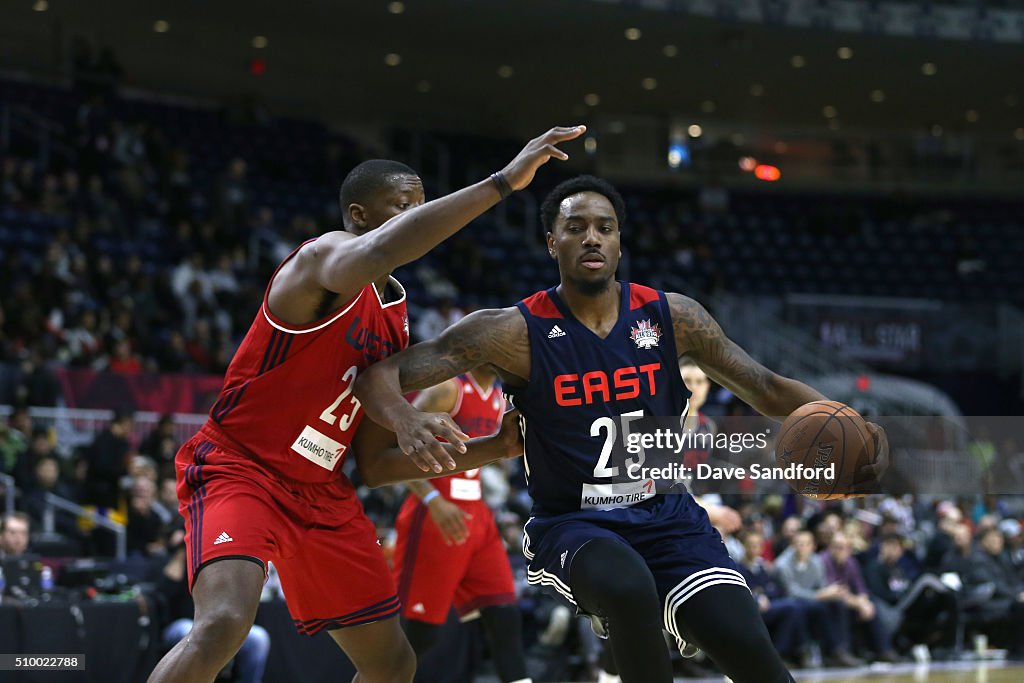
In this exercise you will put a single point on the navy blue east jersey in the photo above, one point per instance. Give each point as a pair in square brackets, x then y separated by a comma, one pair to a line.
[584, 391]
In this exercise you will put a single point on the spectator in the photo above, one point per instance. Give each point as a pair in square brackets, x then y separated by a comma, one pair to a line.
[178, 610]
[12, 445]
[941, 544]
[790, 526]
[785, 618]
[803, 575]
[434, 321]
[161, 444]
[921, 608]
[108, 462]
[14, 535]
[990, 568]
[145, 523]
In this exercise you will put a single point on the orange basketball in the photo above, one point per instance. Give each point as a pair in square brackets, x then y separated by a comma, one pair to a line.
[832, 443]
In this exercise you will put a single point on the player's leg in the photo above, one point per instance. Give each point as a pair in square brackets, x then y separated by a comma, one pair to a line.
[611, 580]
[724, 621]
[427, 571]
[226, 595]
[379, 650]
[488, 586]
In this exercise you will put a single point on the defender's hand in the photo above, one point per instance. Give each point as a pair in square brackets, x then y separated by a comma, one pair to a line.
[510, 435]
[520, 171]
[418, 438]
[450, 520]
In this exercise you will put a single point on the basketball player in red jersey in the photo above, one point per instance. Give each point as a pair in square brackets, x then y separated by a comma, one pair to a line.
[449, 549]
[261, 480]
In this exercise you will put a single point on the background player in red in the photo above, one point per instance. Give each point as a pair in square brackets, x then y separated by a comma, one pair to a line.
[448, 548]
[261, 480]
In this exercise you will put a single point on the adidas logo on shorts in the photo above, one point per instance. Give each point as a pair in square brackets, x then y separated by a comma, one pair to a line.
[223, 538]
[418, 608]
[556, 331]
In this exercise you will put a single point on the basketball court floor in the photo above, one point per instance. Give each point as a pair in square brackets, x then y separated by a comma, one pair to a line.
[958, 672]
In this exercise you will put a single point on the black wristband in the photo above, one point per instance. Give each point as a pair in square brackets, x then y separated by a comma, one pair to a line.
[504, 189]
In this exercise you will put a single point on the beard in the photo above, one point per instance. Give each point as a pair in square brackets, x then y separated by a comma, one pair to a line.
[592, 287]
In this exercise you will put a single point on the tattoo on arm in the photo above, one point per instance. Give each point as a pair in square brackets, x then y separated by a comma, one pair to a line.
[487, 336]
[698, 335]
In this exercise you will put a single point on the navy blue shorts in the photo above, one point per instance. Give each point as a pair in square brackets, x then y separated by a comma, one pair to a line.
[671, 532]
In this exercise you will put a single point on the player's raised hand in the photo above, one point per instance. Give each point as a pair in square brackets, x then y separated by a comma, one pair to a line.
[520, 171]
[450, 520]
[418, 438]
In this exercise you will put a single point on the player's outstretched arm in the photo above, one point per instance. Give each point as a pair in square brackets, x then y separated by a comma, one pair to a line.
[344, 265]
[700, 337]
[381, 464]
[495, 336]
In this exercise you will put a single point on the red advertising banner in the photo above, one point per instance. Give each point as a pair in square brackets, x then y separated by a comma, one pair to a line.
[162, 393]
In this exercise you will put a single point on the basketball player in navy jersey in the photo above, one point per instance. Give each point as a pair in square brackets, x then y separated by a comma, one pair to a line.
[579, 361]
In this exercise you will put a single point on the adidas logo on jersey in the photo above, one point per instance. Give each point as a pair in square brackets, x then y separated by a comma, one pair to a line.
[418, 608]
[556, 331]
[223, 538]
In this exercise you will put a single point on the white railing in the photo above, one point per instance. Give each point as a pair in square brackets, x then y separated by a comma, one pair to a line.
[54, 503]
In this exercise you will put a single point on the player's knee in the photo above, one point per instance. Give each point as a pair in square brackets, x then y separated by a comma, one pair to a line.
[613, 575]
[225, 625]
[398, 667]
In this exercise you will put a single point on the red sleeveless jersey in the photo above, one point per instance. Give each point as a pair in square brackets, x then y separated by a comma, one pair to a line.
[287, 399]
[478, 413]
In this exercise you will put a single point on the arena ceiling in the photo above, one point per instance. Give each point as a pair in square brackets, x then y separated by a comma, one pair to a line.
[510, 66]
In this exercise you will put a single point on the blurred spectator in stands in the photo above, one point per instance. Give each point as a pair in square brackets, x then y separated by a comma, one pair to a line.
[233, 196]
[790, 526]
[14, 534]
[842, 570]
[941, 544]
[107, 456]
[145, 521]
[434, 321]
[82, 340]
[958, 558]
[825, 526]
[1003, 611]
[1013, 532]
[160, 444]
[920, 608]
[178, 610]
[803, 575]
[47, 479]
[785, 618]
[123, 359]
[12, 445]
[167, 497]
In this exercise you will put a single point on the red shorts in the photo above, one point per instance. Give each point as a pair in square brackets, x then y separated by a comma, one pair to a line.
[432, 575]
[333, 573]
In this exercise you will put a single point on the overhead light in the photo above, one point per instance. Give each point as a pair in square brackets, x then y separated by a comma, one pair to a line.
[592, 99]
[797, 61]
[670, 50]
[757, 90]
[972, 115]
[695, 131]
[936, 130]
[878, 96]
[829, 112]
[259, 42]
[396, 7]
[929, 69]
[767, 173]
[1019, 134]
[423, 86]
[41, 6]
[392, 59]
[649, 83]
[505, 71]
[590, 144]
[707, 106]
[633, 34]
[845, 53]
[833, 124]
[748, 164]
[161, 26]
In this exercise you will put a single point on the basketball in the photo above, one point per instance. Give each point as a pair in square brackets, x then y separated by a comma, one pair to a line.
[818, 436]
